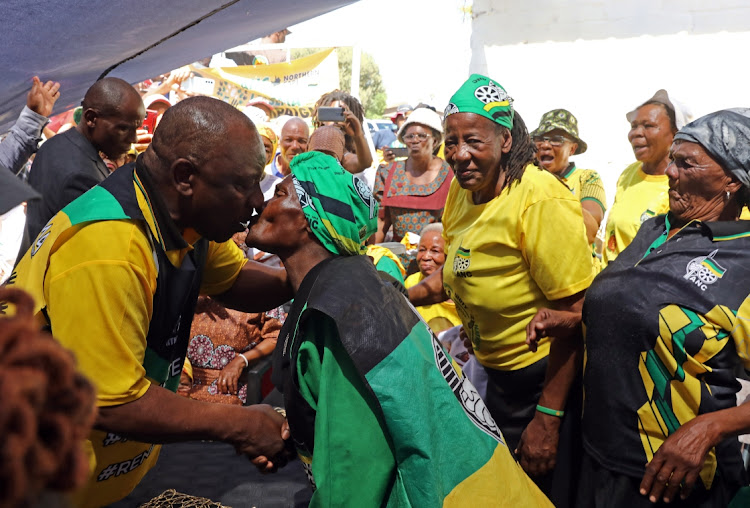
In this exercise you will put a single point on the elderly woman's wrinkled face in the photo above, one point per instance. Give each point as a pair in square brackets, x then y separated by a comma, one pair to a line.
[698, 185]
[474, 150]
[651, 134]
[431, 253]
[281, 223]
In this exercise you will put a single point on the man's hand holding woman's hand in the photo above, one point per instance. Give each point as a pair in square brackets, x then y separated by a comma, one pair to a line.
[264, 437]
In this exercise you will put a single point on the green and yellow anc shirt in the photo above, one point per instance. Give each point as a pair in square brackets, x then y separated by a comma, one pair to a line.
[666, 328]
[93, 274]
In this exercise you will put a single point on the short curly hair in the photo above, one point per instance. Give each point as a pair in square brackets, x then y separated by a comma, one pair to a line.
[48, 408]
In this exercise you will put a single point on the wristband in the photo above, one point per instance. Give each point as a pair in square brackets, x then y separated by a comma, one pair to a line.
[551, 412]
[243, 357]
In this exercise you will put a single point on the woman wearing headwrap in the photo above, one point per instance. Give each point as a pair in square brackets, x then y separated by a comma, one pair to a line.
[642, 187]
[667, 332]
[362, 375]
[515, 244]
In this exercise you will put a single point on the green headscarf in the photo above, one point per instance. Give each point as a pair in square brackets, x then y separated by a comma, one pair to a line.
[480, 95]
[340, 207]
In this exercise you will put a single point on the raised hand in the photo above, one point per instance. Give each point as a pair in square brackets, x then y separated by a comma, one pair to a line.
[42, 96]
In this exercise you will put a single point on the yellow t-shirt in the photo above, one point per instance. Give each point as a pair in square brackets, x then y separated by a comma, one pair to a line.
[638, 198]
[439, 316]
[95, 284]
[510, 257]
[586, 185]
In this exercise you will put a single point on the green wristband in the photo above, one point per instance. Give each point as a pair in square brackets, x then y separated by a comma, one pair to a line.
[551, 412]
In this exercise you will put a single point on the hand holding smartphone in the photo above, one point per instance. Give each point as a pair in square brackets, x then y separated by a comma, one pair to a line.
[399, 151]
[329, 114]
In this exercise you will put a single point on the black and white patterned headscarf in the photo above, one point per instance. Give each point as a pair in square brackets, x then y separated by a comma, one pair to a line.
[725, 135]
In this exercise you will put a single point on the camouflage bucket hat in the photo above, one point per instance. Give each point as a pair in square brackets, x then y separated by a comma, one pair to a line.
[564, 120]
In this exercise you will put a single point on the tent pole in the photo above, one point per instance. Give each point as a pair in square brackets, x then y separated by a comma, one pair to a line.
[356, 64]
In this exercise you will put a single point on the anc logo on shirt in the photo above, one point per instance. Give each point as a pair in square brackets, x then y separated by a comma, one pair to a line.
[647, 215]
[704, 270]
[466, 394]
[461, 262]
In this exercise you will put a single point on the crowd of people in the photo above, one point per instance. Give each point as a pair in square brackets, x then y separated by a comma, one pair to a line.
[479, 292]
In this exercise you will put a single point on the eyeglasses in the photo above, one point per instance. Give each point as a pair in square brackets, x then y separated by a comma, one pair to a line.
[421, 136]
[552, 140]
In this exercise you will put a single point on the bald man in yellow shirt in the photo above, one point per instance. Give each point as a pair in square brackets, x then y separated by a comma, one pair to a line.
[116, 275]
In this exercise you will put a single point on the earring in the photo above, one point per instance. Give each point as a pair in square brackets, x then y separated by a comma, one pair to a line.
[728, 195]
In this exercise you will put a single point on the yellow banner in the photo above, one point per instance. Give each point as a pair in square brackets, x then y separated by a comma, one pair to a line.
[291, 88]
[276, 73]
[300, 111]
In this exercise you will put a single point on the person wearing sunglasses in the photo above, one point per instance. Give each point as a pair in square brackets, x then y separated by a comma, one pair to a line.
[412, 192]
[556, 140]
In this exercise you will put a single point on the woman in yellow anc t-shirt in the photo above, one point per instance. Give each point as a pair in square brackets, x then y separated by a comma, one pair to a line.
[642, 188]
[515, 244]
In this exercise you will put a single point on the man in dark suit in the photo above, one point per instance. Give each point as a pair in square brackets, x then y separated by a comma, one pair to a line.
[69, 164]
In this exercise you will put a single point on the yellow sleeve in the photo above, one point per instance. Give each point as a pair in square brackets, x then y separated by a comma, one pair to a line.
[223, 265]
[99, 291]
[554, 245]
[592, 188]
[448, 210]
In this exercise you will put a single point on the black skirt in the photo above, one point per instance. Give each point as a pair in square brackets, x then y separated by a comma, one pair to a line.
[512, 397]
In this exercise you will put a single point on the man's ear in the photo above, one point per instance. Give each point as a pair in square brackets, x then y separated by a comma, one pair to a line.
[184, 174]
[89, 117]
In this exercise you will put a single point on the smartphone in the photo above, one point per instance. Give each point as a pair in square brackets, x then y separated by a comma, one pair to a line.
[399, 151]
[201, 86]
[328, 114]
[149, 123]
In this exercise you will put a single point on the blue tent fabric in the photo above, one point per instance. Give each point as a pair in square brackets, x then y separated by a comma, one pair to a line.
[77, 41]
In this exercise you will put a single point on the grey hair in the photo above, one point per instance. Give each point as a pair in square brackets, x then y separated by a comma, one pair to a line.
[435, 227]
